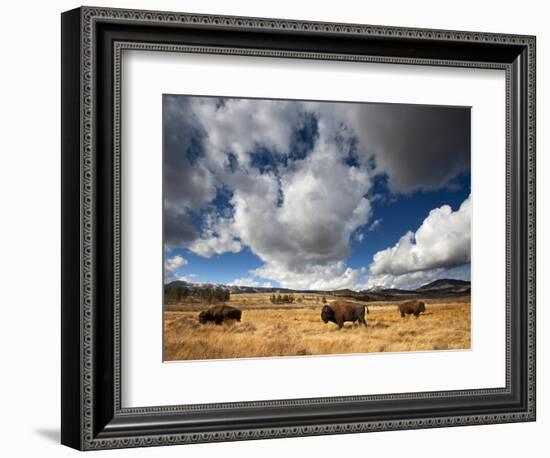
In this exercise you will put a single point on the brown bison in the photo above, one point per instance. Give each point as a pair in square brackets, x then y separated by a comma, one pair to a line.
[220, 313]
[411, 308]
[340, 311]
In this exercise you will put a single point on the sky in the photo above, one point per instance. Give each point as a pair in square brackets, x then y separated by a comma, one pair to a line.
[315, 195]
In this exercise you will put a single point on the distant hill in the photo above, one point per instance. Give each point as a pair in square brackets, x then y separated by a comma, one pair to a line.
[446, 288]
[180, 284]
[442, 288]
[445, 284]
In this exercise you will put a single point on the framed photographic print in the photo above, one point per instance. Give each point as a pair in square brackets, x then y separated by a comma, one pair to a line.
[278, 228]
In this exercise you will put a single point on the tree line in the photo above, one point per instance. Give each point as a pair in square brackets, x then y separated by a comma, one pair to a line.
[284, 299]
[289, 299]
[208, 294]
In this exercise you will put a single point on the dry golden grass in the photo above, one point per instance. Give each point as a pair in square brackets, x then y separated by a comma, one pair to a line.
[292, 331]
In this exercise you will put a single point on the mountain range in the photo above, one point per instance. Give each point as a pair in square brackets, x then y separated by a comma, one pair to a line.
[445, 287]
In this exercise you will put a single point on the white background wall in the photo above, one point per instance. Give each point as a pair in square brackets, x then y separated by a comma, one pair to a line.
[30, 214]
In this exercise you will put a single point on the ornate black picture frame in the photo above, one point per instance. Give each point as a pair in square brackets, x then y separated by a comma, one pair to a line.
[92, 42]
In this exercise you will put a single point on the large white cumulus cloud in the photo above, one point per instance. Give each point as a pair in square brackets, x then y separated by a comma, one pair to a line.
[307, 215]
[442, 242]
[298, 219]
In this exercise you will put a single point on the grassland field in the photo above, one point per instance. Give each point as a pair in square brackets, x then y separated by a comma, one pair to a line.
[296, 329]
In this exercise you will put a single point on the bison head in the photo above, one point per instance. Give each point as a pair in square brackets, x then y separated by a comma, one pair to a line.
[205, 317]
[327, 314]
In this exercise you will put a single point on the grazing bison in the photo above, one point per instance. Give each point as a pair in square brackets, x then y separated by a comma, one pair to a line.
[411, 308]
[340, 311]
[220, 313]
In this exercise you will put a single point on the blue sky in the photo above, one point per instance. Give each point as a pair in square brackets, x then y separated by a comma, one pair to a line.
[315, 195]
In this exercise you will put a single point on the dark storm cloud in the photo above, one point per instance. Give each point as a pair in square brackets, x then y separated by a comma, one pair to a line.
[188, 184]
[178, 229]
[418, 147]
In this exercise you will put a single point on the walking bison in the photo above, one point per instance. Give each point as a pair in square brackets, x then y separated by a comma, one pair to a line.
[340, 311]
[411, 308]
[220, 313]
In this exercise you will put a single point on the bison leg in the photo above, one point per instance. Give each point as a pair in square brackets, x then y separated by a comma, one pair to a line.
[219, 321]
[340, 324]
[402, 314]
[416, 315]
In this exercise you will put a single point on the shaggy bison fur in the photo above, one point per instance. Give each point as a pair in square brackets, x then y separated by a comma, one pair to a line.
[220, 313]
[340, 311]
[411, 308]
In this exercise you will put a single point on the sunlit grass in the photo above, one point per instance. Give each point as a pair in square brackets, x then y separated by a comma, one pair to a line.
[292, 331]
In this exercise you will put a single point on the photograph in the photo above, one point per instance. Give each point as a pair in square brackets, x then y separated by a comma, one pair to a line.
[309, 227]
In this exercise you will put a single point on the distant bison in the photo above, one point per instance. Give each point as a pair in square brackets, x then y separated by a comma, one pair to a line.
[220, 313]
[340, 311]
[411, 308]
